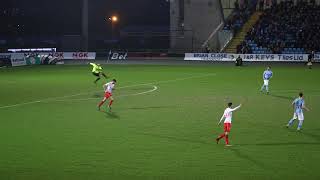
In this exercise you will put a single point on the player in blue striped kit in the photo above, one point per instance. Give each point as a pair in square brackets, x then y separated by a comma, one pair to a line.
[298, 106]
[267, 75]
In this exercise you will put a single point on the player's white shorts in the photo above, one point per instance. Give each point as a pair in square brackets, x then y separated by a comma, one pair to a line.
[266, 82]
[299, 116]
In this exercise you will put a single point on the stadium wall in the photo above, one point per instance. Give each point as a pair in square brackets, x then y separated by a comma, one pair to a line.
[295, 1]
[123, 57]
[224, 57]
[192, 22]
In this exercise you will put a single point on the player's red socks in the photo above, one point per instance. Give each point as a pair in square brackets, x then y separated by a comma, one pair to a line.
[227, 139]
[100, 104]
[110, 103]
[221, 136]
[224, 136]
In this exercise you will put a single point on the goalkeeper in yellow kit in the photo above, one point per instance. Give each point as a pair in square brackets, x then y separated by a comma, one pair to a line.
[97, 71]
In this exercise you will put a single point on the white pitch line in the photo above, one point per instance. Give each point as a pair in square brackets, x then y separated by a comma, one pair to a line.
[20, 104]
[9, 82]
[78, 94]
[86, 99]
[294, 91]
[141, 93]
[135, 85]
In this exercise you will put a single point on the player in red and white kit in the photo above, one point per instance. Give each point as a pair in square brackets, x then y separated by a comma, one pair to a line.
[227, 115]
[108, 88]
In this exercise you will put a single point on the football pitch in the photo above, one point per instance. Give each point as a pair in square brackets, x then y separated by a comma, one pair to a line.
[163, 123]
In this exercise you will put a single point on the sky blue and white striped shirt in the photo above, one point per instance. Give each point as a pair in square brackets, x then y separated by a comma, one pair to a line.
[298, 105]
[267, 74]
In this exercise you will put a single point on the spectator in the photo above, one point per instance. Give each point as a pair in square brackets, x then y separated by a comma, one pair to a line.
[310, 59]
[239, 61]
[261, 5]
[236, 5]
[207, 49]
[240, 15]
[286, 28]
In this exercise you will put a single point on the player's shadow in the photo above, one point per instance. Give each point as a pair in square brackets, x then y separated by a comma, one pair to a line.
[112, 115]
[312, 136]
[241, 155]
[173, 138]
[309, 134]
[282, 144]
[282, 97]
[149, 107]
[139, 88]
[96, 95]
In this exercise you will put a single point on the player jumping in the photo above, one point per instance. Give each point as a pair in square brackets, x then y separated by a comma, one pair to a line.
[227, 115]
[108, 88]
[97, 71]
[298, 106]
[267, 75]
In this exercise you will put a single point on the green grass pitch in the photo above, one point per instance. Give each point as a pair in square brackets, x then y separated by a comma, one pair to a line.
[163, 124]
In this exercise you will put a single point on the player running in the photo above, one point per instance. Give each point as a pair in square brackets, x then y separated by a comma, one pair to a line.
[298, 106]
[108, 88]
[97, 71]
[267, 75]
[227, 115]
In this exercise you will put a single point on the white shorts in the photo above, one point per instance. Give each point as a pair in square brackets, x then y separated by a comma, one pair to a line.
[266, 82]
[299, 116]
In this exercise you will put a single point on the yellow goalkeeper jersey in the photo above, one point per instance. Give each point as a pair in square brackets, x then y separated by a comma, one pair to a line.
[96, 68]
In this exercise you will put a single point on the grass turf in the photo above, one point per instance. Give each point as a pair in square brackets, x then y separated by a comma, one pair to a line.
[51, 128]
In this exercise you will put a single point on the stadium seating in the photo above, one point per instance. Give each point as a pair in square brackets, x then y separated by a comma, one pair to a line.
[286, 28]
[240, 15]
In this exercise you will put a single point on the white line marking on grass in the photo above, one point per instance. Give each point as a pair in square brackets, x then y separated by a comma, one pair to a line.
[83, 93]
[141, 93]
[86, 99]
[136, 85]
[294, 91]
[9, 82]
[20, 104]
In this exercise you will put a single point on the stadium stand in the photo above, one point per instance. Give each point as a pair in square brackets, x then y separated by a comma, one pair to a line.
[14, 32]
[243, 10]
[285, 28]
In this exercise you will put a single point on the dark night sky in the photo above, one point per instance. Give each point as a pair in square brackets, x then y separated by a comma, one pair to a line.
[65, 15]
